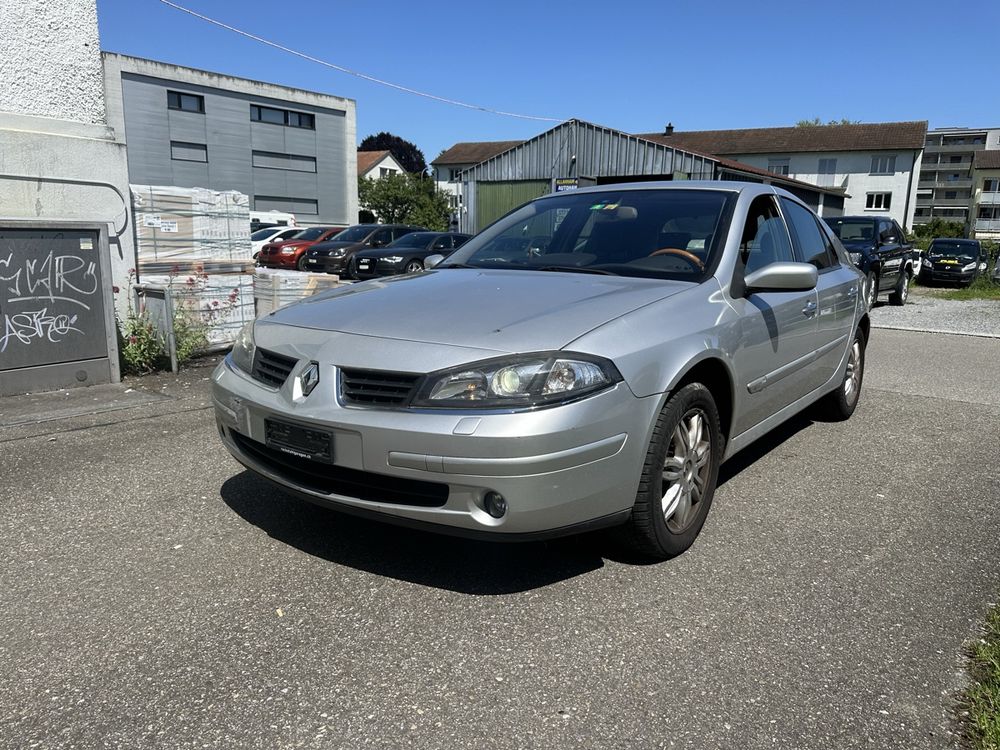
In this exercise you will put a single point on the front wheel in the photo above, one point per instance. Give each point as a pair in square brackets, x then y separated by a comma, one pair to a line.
[302, 265]
[902, 290]
[871, 290]
[678, 477]
[413, 266]
[840, 404]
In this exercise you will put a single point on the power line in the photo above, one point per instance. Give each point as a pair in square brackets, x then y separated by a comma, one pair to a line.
[355, 73]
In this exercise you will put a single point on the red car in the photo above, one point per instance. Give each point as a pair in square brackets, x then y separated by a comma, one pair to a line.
[291, 253]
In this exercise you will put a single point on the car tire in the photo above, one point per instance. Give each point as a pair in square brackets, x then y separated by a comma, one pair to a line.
[301, 265]
[655, 529]
[871, 290]
[413, 266]
[840, 404]
[902, 291]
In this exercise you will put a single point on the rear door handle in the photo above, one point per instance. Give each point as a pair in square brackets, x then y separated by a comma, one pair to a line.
[809, 309]
[852, 292]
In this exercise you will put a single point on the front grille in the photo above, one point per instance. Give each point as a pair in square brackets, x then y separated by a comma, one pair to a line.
[270, 368]
[377, 388]
[338, 480]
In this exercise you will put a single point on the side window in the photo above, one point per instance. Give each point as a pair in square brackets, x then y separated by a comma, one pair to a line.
[809, 241]
[884, 231]
[765, 239]
[898, 231]
[381, 237]
[831, 249]
[442, 243]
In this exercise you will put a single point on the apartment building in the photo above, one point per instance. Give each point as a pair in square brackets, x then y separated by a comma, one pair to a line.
[984, 206]
[946, 189]
[287, 149]
[876, 165]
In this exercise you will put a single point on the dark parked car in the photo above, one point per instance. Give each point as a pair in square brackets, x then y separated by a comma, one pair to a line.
[957, 261]
[334, 256]
[291, 253]
[879, 248]
[405, 255]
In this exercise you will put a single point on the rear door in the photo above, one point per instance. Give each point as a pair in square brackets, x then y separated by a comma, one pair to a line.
[837, 291]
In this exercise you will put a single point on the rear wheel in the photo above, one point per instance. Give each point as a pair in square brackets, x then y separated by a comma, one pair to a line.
[840, 404]
[871, 290]
[902, 291]
[678, 477]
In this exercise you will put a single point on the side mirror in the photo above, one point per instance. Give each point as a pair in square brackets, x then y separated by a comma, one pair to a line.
[782, 277]
[432, 260]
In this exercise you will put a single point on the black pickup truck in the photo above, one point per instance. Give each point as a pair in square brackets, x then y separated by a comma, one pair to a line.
[878, 246]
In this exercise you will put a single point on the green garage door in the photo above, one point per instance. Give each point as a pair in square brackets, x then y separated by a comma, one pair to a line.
[494, 199]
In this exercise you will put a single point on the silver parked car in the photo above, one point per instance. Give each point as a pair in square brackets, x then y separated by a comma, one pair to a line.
[588, 360]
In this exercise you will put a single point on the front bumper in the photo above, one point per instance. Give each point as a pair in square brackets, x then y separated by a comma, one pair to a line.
[561, 469]
[327, 263]
[377, 268]
[277, 261]
[947, 274]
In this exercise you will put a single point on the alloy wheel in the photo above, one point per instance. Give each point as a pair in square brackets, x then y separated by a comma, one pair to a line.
[686, 470]
[413, 267]
[904, 291]
[852, 378]
[870, 284]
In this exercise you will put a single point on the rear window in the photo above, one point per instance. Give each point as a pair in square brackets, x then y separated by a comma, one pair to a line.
[852, 230]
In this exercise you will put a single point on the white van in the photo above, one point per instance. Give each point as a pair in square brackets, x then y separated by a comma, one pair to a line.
[261, 219]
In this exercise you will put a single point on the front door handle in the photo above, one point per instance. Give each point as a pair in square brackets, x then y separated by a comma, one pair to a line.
[852, 292]
[810, 309]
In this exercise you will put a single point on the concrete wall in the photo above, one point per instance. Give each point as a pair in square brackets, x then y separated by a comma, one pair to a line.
[137, 109]
[51, 60]
[853, 174]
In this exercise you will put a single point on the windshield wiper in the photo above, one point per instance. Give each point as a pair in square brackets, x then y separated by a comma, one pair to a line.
[574, 269]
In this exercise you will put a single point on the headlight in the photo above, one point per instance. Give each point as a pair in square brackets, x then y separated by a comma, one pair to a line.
[243, 349]
[393, 259]
[855, 258]
[969, 267]
[287, 250]
[339, 252]
[927, 263]
[524, 381]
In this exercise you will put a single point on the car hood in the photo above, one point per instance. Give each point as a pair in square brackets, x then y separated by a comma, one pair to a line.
[324, 246]
[510, 311]
[859, 247]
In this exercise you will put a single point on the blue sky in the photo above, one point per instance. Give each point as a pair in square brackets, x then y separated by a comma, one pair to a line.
[627, 65]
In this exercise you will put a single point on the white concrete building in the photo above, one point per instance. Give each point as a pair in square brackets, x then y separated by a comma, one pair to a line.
[877, 165]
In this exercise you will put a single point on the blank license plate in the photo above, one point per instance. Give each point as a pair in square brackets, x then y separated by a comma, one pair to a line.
[364, 265]
[303, 442]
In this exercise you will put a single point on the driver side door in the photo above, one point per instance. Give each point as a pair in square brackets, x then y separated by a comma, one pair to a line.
[777, 330]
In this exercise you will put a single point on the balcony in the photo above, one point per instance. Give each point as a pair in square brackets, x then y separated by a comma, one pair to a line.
[941, 202]
[955, 148]
[944, 166]
[965, 182]
[988, 225]
[989, 199]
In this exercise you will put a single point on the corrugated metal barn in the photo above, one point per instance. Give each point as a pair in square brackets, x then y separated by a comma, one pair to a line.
[579, 154]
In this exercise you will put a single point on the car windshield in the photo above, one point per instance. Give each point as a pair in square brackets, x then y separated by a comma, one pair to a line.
[263, 234]
[650, 233]
[939, 249]
[413, 239]
[313, 233]
[354, 234]
[853, 230]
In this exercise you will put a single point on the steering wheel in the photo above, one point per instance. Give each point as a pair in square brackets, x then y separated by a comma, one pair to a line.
[691, 258]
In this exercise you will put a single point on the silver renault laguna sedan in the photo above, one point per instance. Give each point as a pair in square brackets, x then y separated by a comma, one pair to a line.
[588, 360]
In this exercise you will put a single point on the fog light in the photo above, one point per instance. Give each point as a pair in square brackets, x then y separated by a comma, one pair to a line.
[496, 504]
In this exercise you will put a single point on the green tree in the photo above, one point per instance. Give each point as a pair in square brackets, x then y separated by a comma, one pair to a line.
[817, 123]
[405, 199]
[407, 154]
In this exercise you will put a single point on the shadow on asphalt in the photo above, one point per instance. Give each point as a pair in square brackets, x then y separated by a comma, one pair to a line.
[462, 565]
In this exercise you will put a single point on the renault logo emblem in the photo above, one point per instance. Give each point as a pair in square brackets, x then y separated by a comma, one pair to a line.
[309, 378]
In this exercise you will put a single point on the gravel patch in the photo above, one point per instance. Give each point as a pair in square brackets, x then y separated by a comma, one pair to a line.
[934, 315]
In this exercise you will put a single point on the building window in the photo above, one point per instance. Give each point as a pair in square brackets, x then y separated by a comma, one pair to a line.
[778, 166]
[289, 162]
[185, 102]
[878, 201]
[285, 205]
[954, 177]
[883, 165]
[282, 117]
[827, 172]
[181, 151]
[454, 173]
[385, 172]
[955, 160]
[991, 186]
[948, 194]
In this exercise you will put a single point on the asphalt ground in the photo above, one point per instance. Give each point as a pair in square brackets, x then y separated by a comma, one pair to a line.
[154, 594]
